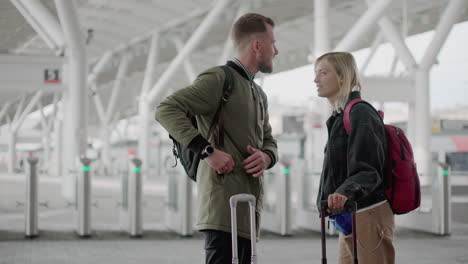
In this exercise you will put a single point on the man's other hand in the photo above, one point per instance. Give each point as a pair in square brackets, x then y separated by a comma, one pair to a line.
[220, 161]
[257, 162]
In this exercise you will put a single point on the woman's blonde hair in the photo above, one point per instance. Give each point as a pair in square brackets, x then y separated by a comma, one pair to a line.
[348, 76]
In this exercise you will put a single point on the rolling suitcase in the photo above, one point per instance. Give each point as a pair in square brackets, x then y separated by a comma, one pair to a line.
[349, 207]
[243, 197]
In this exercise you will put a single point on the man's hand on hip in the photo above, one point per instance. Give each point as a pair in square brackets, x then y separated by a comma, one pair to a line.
[257, 162]
[220, 161]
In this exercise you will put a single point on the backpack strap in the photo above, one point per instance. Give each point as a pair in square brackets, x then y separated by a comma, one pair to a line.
[347, 112]
[219, 116]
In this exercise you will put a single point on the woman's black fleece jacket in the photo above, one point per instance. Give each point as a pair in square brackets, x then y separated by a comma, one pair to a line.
[354, 165]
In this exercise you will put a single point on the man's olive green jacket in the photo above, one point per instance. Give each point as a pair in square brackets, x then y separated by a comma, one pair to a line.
[246, 123]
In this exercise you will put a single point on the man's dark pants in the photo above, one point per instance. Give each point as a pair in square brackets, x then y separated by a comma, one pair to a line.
[218, 248]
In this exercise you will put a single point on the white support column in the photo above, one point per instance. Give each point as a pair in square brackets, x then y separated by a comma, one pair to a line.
[144, 139]
[422, 147]
[106, 129]
[228, 46]
[56, 138]
[143, 106]
[317, 139]
[189, 71]
[367, 20]
[58, 168]
[422, 111]
[160, 89]
[451, 14]
[42, 21]
[321, 31]
[75, 103]
[12, 151]
[45, 131]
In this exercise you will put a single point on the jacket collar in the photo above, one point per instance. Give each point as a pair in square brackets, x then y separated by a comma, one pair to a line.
[241, 70]
[354, 95]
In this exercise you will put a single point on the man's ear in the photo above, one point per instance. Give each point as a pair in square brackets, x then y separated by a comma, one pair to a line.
[255, 45]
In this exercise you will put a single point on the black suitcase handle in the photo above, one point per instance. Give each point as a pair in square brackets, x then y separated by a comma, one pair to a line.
[349, 207]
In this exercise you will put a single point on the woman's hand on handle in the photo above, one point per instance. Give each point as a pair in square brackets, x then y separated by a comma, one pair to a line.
[336, 201]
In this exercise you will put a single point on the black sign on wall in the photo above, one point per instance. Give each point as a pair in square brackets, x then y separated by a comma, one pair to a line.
[51, 76]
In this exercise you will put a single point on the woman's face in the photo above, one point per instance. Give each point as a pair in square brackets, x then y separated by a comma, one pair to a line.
[327, 80]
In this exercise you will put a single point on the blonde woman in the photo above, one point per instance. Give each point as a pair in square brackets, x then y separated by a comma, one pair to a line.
[354, 164]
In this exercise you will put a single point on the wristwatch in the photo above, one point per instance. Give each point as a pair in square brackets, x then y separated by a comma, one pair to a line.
[206, 152]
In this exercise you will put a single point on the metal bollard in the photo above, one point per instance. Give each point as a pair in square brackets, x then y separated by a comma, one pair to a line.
[286, 202]
[134, 199]
[31, 206]
[83, 201]
[442, 207]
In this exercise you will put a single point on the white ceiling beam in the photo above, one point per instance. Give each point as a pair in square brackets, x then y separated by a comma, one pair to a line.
[107, 36]
[159, 90]
[147, 11]
[375, 45]
[121, 72]
[188, 67]
[398, 43]
[116, 15]
[4, 110]
[451, 15]
[229, 45]
[151, 62]
[100, 25]
[26, 111]
[19, 108]
[107, 22]
[360, 28]
[171, 25]
[99, 67]
[43, 22]
[98, 103]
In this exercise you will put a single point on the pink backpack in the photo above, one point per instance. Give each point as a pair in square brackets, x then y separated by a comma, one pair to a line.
[402, 186]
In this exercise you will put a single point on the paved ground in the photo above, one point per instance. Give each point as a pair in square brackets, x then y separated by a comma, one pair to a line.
[57, 242]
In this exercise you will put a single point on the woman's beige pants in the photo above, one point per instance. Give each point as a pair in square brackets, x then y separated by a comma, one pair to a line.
[375, 229]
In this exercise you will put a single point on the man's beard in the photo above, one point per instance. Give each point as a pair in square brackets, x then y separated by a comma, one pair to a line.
[264, 68]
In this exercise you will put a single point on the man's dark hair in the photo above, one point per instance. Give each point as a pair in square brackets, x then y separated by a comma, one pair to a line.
[248, 25]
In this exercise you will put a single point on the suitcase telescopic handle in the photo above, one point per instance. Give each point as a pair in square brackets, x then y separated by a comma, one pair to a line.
[350, 206]
[243, 197]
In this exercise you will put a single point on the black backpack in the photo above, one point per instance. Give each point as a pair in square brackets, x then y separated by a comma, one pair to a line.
[189, 159]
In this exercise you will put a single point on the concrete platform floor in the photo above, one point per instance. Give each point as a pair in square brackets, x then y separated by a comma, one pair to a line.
[58, 244]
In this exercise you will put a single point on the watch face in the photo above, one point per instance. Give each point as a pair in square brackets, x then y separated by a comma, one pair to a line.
[209, 150]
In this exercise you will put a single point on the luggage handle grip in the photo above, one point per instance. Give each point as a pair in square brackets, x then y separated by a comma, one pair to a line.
[349, 207]
[243, 197]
